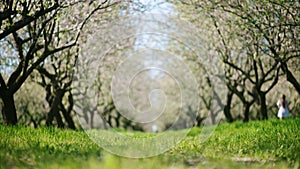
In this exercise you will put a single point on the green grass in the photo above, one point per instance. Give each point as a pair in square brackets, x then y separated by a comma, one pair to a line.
[257, 144]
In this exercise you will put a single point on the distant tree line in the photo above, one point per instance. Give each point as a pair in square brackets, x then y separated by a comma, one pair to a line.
[258, 43]
[40, 42]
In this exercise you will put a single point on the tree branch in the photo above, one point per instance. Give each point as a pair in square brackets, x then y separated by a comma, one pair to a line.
[274, 82]
[22, 23]
[2, 82]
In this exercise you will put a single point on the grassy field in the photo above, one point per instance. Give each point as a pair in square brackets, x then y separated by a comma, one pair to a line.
[257, 144]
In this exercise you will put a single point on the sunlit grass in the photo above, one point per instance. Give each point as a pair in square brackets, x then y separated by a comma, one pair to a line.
[258, 144]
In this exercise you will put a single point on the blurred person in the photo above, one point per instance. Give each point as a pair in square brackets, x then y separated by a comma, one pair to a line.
[283, 104]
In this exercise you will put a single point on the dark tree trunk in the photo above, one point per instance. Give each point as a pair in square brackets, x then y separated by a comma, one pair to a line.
[60, 123]
[118, 120]
[109, 120]
[54, 110]
[227, 107]
[290, 77]
[199, 120]
[263, 106]
[9, 108]
[92, 119]
[246, 106]
[67, 117]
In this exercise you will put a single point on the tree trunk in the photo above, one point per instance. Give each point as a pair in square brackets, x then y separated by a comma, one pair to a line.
[118, 120]
[246, 106]
[68, 118]
[92, 119]
[60, 123]
[227, 107]
[290, 77]
[263, 106]
[213, 117]
[9, 108]
[54, 110]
